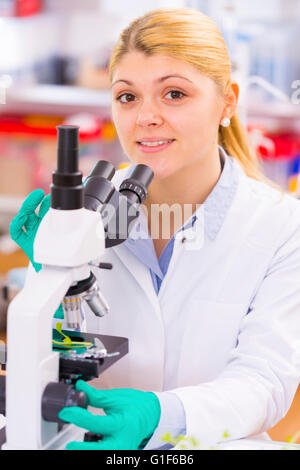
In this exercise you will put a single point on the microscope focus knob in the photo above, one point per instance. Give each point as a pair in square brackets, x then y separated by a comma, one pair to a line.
[56, 396]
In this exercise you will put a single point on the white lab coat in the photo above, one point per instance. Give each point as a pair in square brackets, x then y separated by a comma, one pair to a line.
[223, 333]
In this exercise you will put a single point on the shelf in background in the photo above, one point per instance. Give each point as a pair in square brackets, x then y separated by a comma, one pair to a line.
[56, 99]
[274, 110]
[10, 204]
[65, 99]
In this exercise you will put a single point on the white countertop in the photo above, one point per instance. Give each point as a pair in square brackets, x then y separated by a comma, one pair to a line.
[240, 444]
[257, 444]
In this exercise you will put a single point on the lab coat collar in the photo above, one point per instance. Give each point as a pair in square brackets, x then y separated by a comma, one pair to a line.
[221, 197]
[207, 219]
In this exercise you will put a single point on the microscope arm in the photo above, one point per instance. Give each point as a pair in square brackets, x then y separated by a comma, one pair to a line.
[31, 362]
[30, 276]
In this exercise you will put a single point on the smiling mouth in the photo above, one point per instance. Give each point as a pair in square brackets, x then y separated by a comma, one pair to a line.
[155, 143]
[150, 147]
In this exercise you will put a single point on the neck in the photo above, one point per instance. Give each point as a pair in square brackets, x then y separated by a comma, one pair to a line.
[191, 185]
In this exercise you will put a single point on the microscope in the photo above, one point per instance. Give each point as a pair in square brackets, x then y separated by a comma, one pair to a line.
[82, 222]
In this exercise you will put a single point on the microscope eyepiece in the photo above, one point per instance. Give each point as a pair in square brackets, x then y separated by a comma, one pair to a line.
[66, 187]
[98, 187]
[67, 149]
[135, 188]
[103, 169]
[142, 174]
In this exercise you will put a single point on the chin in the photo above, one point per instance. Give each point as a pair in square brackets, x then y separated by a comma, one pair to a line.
[160, 175]
[159, 172]
[159, 167]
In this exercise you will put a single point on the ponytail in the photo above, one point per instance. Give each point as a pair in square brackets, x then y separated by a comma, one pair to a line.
[235, 142]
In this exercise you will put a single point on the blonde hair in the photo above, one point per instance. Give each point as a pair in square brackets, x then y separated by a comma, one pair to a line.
[189, 35]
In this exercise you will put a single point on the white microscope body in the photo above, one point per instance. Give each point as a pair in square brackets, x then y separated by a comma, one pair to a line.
[65, 243]
[70, 236]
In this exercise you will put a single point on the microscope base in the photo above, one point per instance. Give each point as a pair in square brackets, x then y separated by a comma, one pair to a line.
[69, 370]
[68, 434]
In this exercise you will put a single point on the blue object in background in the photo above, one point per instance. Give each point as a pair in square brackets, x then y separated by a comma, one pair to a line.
[17, 276]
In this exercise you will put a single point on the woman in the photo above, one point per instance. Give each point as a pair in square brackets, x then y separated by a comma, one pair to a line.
[211, 308]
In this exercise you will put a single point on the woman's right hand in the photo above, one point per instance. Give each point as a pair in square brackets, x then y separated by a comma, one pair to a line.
[24, 226]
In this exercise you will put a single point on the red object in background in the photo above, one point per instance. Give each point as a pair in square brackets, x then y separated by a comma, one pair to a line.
[28, 7]
[285, 146]
[40, 126]
[273, 146]
[28, 149]
[21, 8]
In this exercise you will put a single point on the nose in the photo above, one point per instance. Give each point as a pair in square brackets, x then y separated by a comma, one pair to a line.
[149, 115]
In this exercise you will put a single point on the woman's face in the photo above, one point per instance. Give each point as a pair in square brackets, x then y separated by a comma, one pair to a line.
[162, 99]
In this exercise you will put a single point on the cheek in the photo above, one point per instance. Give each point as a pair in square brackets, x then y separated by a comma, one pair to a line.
[116, 119]
[199, 116]
[194, 128]
[122, 123]
[203, 122]
[125, 132]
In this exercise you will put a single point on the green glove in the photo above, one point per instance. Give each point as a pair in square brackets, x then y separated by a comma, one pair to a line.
[131, 418]
[28, 219]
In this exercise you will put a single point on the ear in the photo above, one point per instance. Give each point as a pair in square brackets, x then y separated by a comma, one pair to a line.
[231, 100]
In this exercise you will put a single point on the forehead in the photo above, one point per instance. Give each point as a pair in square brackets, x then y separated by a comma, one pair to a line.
[136, 65]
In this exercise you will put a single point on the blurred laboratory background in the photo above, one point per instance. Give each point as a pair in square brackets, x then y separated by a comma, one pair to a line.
[54, 57]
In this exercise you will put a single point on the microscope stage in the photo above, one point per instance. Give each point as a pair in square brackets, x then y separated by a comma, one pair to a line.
[88, 365]
[80, 362]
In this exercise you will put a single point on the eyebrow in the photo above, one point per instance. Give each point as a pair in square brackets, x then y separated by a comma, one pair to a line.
[161, 79]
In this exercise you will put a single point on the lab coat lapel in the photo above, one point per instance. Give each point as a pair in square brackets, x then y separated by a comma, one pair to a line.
[139, 272]
[136, 268]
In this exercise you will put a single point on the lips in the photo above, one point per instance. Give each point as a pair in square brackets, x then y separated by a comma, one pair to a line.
[154, 148]
[154, 139]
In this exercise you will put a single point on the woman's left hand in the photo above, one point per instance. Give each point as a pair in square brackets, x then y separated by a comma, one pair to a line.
[131, 418]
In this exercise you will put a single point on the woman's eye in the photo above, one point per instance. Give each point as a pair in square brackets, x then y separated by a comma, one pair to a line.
[119, 98]
[175, 94]
[125, 98]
